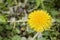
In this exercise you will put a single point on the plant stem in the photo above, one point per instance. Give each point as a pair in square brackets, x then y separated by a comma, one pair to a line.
[38, 35]
[35, 36]
[14, 24]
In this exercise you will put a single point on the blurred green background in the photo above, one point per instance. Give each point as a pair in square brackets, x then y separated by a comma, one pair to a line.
[13, 16]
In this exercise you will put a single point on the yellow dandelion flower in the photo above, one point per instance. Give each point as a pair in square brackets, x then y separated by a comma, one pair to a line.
[39, 20]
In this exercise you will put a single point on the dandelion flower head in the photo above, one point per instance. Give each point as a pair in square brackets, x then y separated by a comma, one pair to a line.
[39, 20]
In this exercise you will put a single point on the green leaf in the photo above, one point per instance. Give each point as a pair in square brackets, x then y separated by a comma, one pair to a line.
[46, 33]
[30, 30]
[42, 39]
[6, 38]
[54, 13]
[0, 38]
[16, 31]
[38, 2]
[1, 1]
[10, 2]
[9, 27]
[16, 37]
[1, 28]
[58, 20]
[2, 19]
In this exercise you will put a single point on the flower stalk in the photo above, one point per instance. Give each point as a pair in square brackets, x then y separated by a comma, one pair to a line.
[38, 34]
